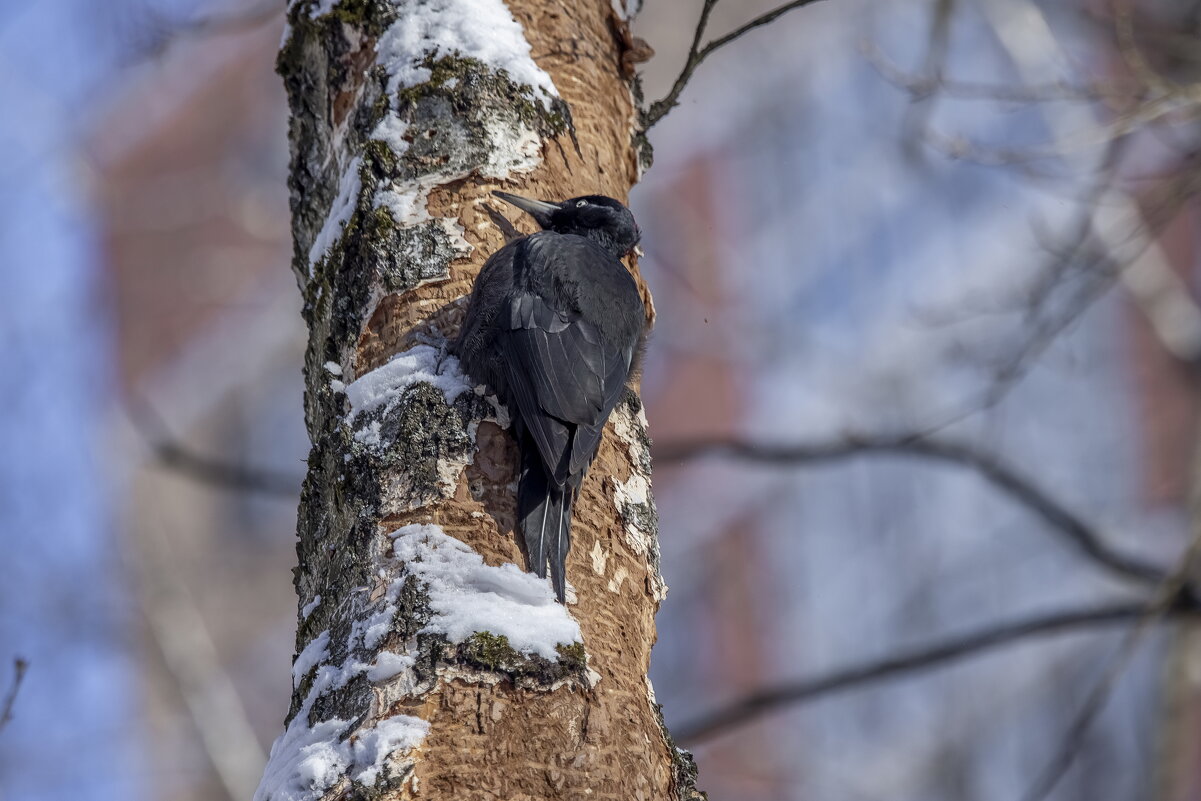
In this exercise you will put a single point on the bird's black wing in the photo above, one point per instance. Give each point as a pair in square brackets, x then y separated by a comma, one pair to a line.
[565, 379]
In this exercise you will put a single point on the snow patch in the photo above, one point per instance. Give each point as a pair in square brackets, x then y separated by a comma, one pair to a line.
[372, 746]
[626, 9]
[391, 130]
[469, 597]
[384, 387]
[323, 7]
[466, 597]
[336, 385]
[339, 213]
[306, 760]
[315, 653]
[479, 29]
[308, 608]
[369, 632]
[389, 665]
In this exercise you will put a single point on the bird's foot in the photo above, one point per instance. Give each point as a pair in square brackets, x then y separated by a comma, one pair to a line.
[436, 342]
[443, 352]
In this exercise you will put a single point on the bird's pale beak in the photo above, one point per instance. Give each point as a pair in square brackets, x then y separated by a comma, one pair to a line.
[540, 210]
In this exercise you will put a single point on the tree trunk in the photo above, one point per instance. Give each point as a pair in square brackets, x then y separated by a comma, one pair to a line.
[428, 665]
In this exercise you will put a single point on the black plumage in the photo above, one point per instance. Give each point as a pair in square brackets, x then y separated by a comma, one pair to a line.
[555, 327]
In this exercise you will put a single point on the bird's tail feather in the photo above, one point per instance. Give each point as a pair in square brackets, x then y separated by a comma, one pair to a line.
[560, 542]
[544, 517]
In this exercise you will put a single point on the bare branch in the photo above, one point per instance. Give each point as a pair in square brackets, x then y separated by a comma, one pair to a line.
[1123, 20]
[1167, 595]
[772, 699]
[225, 475]
[696, 54]
[234, 21]
[1045, 332]
[206, 470]
[1100, 252]
[759, 21]
[1141, 117]
[922, 85]
[988, 466]
[1176, 44]
[179, 629]
[10, 698]
[1135, 108]
[157, 30]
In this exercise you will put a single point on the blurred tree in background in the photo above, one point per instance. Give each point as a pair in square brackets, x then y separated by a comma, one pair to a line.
[925, 271]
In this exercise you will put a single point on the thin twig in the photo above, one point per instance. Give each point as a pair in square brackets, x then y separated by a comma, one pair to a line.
[988, 466]
[1074, 737]
[660, 108]
[10, 698]
[921, 106]
[951, 649]
[697, 54]
[1123, 23]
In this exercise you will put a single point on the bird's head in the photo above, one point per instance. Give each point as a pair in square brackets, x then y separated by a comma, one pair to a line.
[601, 219]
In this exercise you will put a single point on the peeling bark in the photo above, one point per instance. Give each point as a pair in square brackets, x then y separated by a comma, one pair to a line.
[405, 687]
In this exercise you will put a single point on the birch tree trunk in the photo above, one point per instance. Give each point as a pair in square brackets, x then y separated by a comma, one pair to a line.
[429, 664]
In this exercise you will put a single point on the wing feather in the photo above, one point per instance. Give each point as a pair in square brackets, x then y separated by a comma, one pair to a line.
[563, 376]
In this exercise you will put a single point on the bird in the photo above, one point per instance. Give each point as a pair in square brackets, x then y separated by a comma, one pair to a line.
[555, 327]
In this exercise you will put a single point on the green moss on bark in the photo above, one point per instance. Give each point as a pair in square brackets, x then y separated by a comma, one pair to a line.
[493, 652]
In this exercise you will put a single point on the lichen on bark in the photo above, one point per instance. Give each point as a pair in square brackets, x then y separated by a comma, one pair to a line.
[419, 436]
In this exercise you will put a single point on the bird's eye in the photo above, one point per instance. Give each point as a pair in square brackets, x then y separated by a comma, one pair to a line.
[581, 203]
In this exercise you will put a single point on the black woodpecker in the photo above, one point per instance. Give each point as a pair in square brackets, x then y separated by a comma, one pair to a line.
[555, 327]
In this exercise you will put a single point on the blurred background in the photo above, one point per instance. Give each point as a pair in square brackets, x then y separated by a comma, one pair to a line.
[965, 224]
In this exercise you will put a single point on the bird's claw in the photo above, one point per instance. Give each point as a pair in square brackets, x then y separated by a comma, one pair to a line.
[443, 352]
[437, 342]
